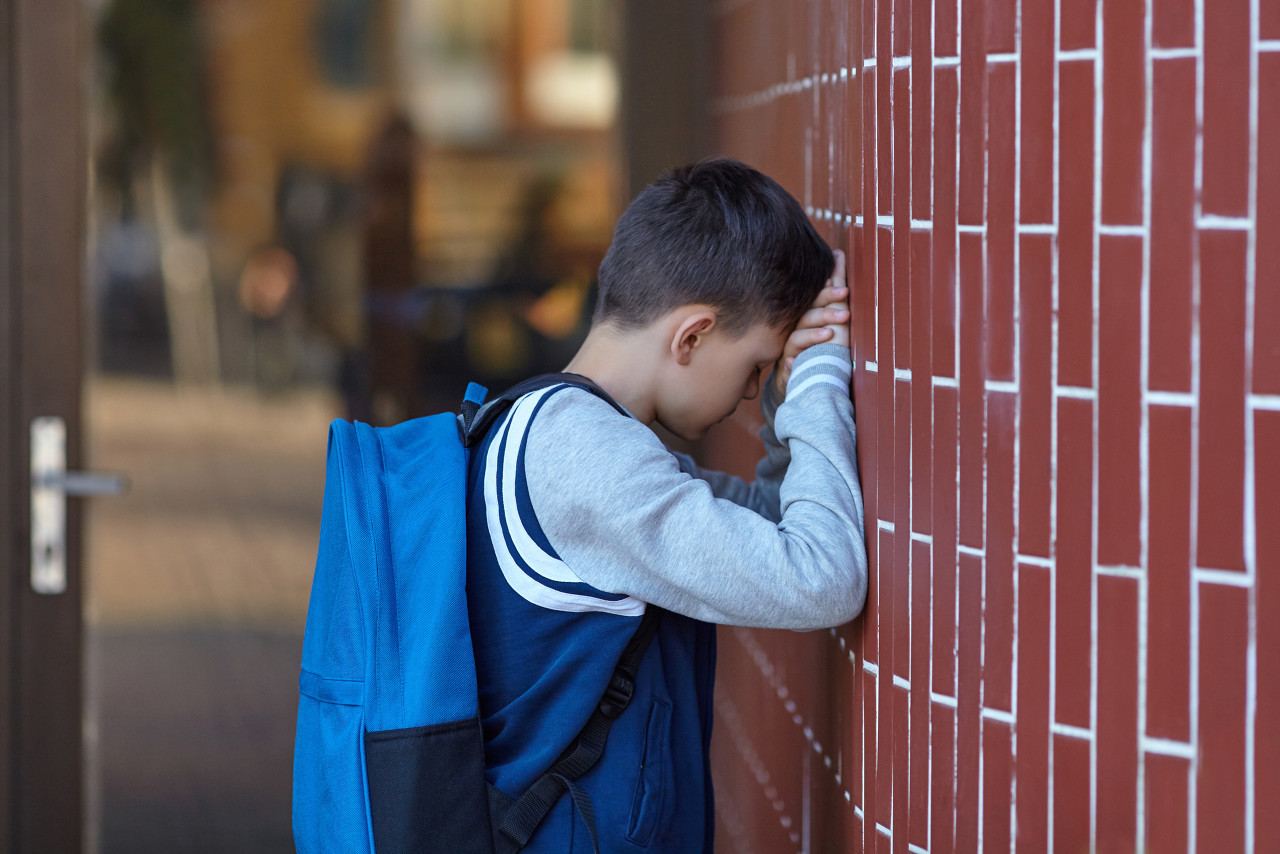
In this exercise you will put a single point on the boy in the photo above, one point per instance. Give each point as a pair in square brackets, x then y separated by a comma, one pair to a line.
[579, 518]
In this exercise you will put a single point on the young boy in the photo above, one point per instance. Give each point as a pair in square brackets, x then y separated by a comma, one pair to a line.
[716, 288]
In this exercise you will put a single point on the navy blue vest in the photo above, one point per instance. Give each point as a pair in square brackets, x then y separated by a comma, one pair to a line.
[545, 646]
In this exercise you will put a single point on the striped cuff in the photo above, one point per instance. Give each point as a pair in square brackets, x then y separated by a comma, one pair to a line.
[822, 364]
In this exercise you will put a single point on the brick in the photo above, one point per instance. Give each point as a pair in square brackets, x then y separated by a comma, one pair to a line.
[1035, 398]
[946, 34]
[1266, 443]
[1036, 133]
[1074, 549]
[902, 535]
[1001, 177]
[902, 27]
[885, 770]
[921, 578]
[1002, 25]
[1169, 574]
[973, 115]
[921, 110]
[1071, 813]
[921, 383]
[885, 451]
[884, 108]
[1220, 783]
[942, 779]
[1034, 591]
[901, 764]
[902, 221]
[972, 389]
[1173, 23]
[1226, 108]
[997, 636]
[1117, 735]
[944, 541]
[969, 702]
[1119, 400]
[1266, 314]
[1078, 24]
[1268, 21]
[997, 781]
[1124, 86]
[1075, 224]
[944, 224]
[1220, 524]
[1172, 206]
[1166, 814]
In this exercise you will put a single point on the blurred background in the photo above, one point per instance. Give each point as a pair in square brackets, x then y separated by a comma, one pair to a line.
[225, 224]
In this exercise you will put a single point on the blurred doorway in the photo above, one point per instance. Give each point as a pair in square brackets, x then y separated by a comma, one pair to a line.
[296, 211]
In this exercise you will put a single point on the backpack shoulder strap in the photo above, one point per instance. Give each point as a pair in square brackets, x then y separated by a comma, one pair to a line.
[524, 816]
[474, 419]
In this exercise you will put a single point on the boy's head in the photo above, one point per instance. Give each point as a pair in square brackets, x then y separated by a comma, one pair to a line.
[713, 265]
[717, 233]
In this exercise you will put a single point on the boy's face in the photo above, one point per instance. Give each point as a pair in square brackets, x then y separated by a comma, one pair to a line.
[722, 370]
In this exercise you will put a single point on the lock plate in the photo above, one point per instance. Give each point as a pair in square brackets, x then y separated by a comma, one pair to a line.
[48, 505]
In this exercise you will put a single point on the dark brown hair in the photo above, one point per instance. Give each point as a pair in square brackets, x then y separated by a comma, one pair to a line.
[716, 232]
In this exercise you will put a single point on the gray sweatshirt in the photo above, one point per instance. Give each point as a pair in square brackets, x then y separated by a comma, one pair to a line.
[629, 516]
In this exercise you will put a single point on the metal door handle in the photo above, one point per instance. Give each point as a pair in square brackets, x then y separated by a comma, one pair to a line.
[51, 483]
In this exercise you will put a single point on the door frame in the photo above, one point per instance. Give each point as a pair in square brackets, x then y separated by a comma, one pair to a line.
[43, 178]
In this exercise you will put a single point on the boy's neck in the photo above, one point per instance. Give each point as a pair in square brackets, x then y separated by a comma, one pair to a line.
[620, 363]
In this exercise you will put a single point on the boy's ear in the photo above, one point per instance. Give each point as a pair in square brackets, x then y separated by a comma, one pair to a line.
[691, 332]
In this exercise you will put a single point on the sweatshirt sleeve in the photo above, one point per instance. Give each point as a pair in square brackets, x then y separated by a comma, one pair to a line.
[760, 495]
[626, 519]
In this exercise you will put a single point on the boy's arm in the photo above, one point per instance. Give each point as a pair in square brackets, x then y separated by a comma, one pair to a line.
[760, 495]
[622, 515]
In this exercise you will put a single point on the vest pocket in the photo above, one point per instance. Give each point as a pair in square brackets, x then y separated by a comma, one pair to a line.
[654, 778]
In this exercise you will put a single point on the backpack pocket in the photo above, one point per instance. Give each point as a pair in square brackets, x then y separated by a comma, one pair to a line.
[655, 775]
[427, 790]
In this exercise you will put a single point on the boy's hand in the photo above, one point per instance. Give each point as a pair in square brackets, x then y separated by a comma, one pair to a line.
[826, 323]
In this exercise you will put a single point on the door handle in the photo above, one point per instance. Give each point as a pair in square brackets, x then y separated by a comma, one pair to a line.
[51, 483]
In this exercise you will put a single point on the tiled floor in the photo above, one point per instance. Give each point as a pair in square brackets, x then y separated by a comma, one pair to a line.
[198, 584]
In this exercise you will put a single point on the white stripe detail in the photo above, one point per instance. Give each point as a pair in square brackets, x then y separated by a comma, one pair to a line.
[843, 365]
[528, 588]
[842, 384]
[514, 430]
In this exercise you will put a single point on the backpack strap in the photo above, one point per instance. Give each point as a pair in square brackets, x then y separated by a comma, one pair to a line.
[476, 417]
[524, 816]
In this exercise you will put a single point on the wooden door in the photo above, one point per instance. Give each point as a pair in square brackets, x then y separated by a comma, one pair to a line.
[42, 186]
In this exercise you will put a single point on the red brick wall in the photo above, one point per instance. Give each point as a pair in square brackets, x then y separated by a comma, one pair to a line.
[1064, 220]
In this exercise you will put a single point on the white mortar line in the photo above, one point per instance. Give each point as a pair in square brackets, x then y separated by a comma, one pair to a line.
[871, 366]
[1225, 577]
[1071, 731]
[901, 682]
[1166, 747]
[1268, 45]
[946, 61]
[1167, 398]
[945, 382]
[1122, 229]
[885, 525]
[1035, 560]
[1134, 572]
[1054, 274]
[942, 699]
[1144, 433]
[1193, 532]
[1004, 386]
[922, 538]
[1098, 113]
[1214, 222]
[1263, 401]
[1036, 227]
[998, 715]
[1172, 52]
[1002, 57]
[1078, 392]
[1084, 54]
[1250, 451]
[921, 225]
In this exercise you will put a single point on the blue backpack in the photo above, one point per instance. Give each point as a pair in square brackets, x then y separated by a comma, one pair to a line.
[389, 754]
